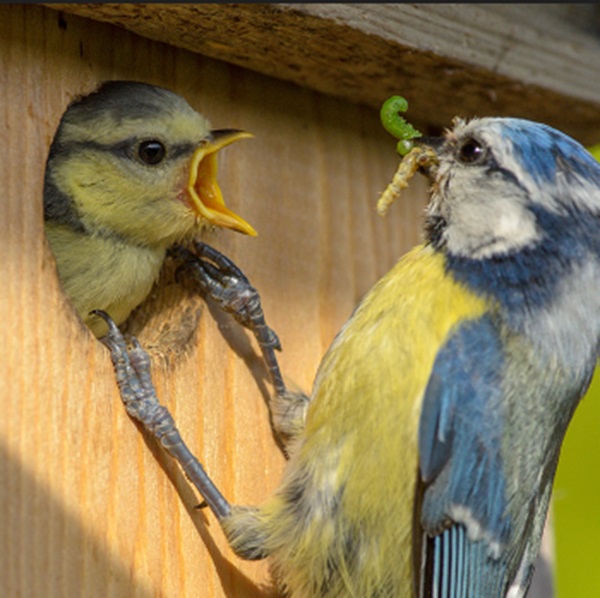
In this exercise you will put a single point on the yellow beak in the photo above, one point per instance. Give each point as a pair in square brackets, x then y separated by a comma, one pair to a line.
[205, 195]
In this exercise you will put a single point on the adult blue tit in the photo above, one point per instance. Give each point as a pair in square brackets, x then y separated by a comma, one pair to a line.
[131, 171]
[423, 463]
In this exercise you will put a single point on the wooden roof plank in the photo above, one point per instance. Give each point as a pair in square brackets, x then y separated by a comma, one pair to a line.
[524, 60]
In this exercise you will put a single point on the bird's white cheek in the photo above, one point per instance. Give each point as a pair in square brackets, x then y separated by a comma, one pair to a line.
[517, 226]
[481, 223]
[511, 231]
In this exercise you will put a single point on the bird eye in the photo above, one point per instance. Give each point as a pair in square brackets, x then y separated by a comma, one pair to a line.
[471, 151]
[151, 152]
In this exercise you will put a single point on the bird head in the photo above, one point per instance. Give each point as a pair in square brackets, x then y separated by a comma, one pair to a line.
[501, 185]
[136, 160]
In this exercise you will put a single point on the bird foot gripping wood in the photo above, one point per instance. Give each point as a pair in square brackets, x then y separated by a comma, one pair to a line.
[221, 280]
[133, 371]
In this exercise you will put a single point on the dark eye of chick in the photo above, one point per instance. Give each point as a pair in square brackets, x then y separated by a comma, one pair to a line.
[151, 152]
[471, 151]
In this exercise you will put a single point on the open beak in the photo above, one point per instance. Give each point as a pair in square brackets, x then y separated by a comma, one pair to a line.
[205, 194]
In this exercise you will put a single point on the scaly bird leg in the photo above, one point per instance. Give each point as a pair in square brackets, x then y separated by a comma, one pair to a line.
[132, 368]
[221, 280]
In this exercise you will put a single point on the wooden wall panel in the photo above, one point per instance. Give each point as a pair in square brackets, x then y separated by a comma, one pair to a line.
[89, 507]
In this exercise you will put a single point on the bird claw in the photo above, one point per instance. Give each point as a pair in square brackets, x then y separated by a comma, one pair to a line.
[133, 371]
[221, 280]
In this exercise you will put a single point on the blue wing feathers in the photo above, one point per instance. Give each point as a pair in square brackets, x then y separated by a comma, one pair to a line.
[460, 429]
[460, 440]
[435, 435]
[461, 568]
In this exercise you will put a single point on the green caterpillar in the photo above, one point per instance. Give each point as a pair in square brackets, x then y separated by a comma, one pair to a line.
[396, 125]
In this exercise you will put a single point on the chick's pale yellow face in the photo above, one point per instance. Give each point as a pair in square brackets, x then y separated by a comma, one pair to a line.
[147, 172]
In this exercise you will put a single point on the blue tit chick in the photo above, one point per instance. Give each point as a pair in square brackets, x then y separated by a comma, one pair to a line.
[431, 439]
[131, 170]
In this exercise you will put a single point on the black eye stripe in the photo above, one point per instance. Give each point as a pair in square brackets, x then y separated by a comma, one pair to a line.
[125, 148]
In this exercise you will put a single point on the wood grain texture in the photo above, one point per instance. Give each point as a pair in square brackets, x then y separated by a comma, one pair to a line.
[530, 60]
[89, 507]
